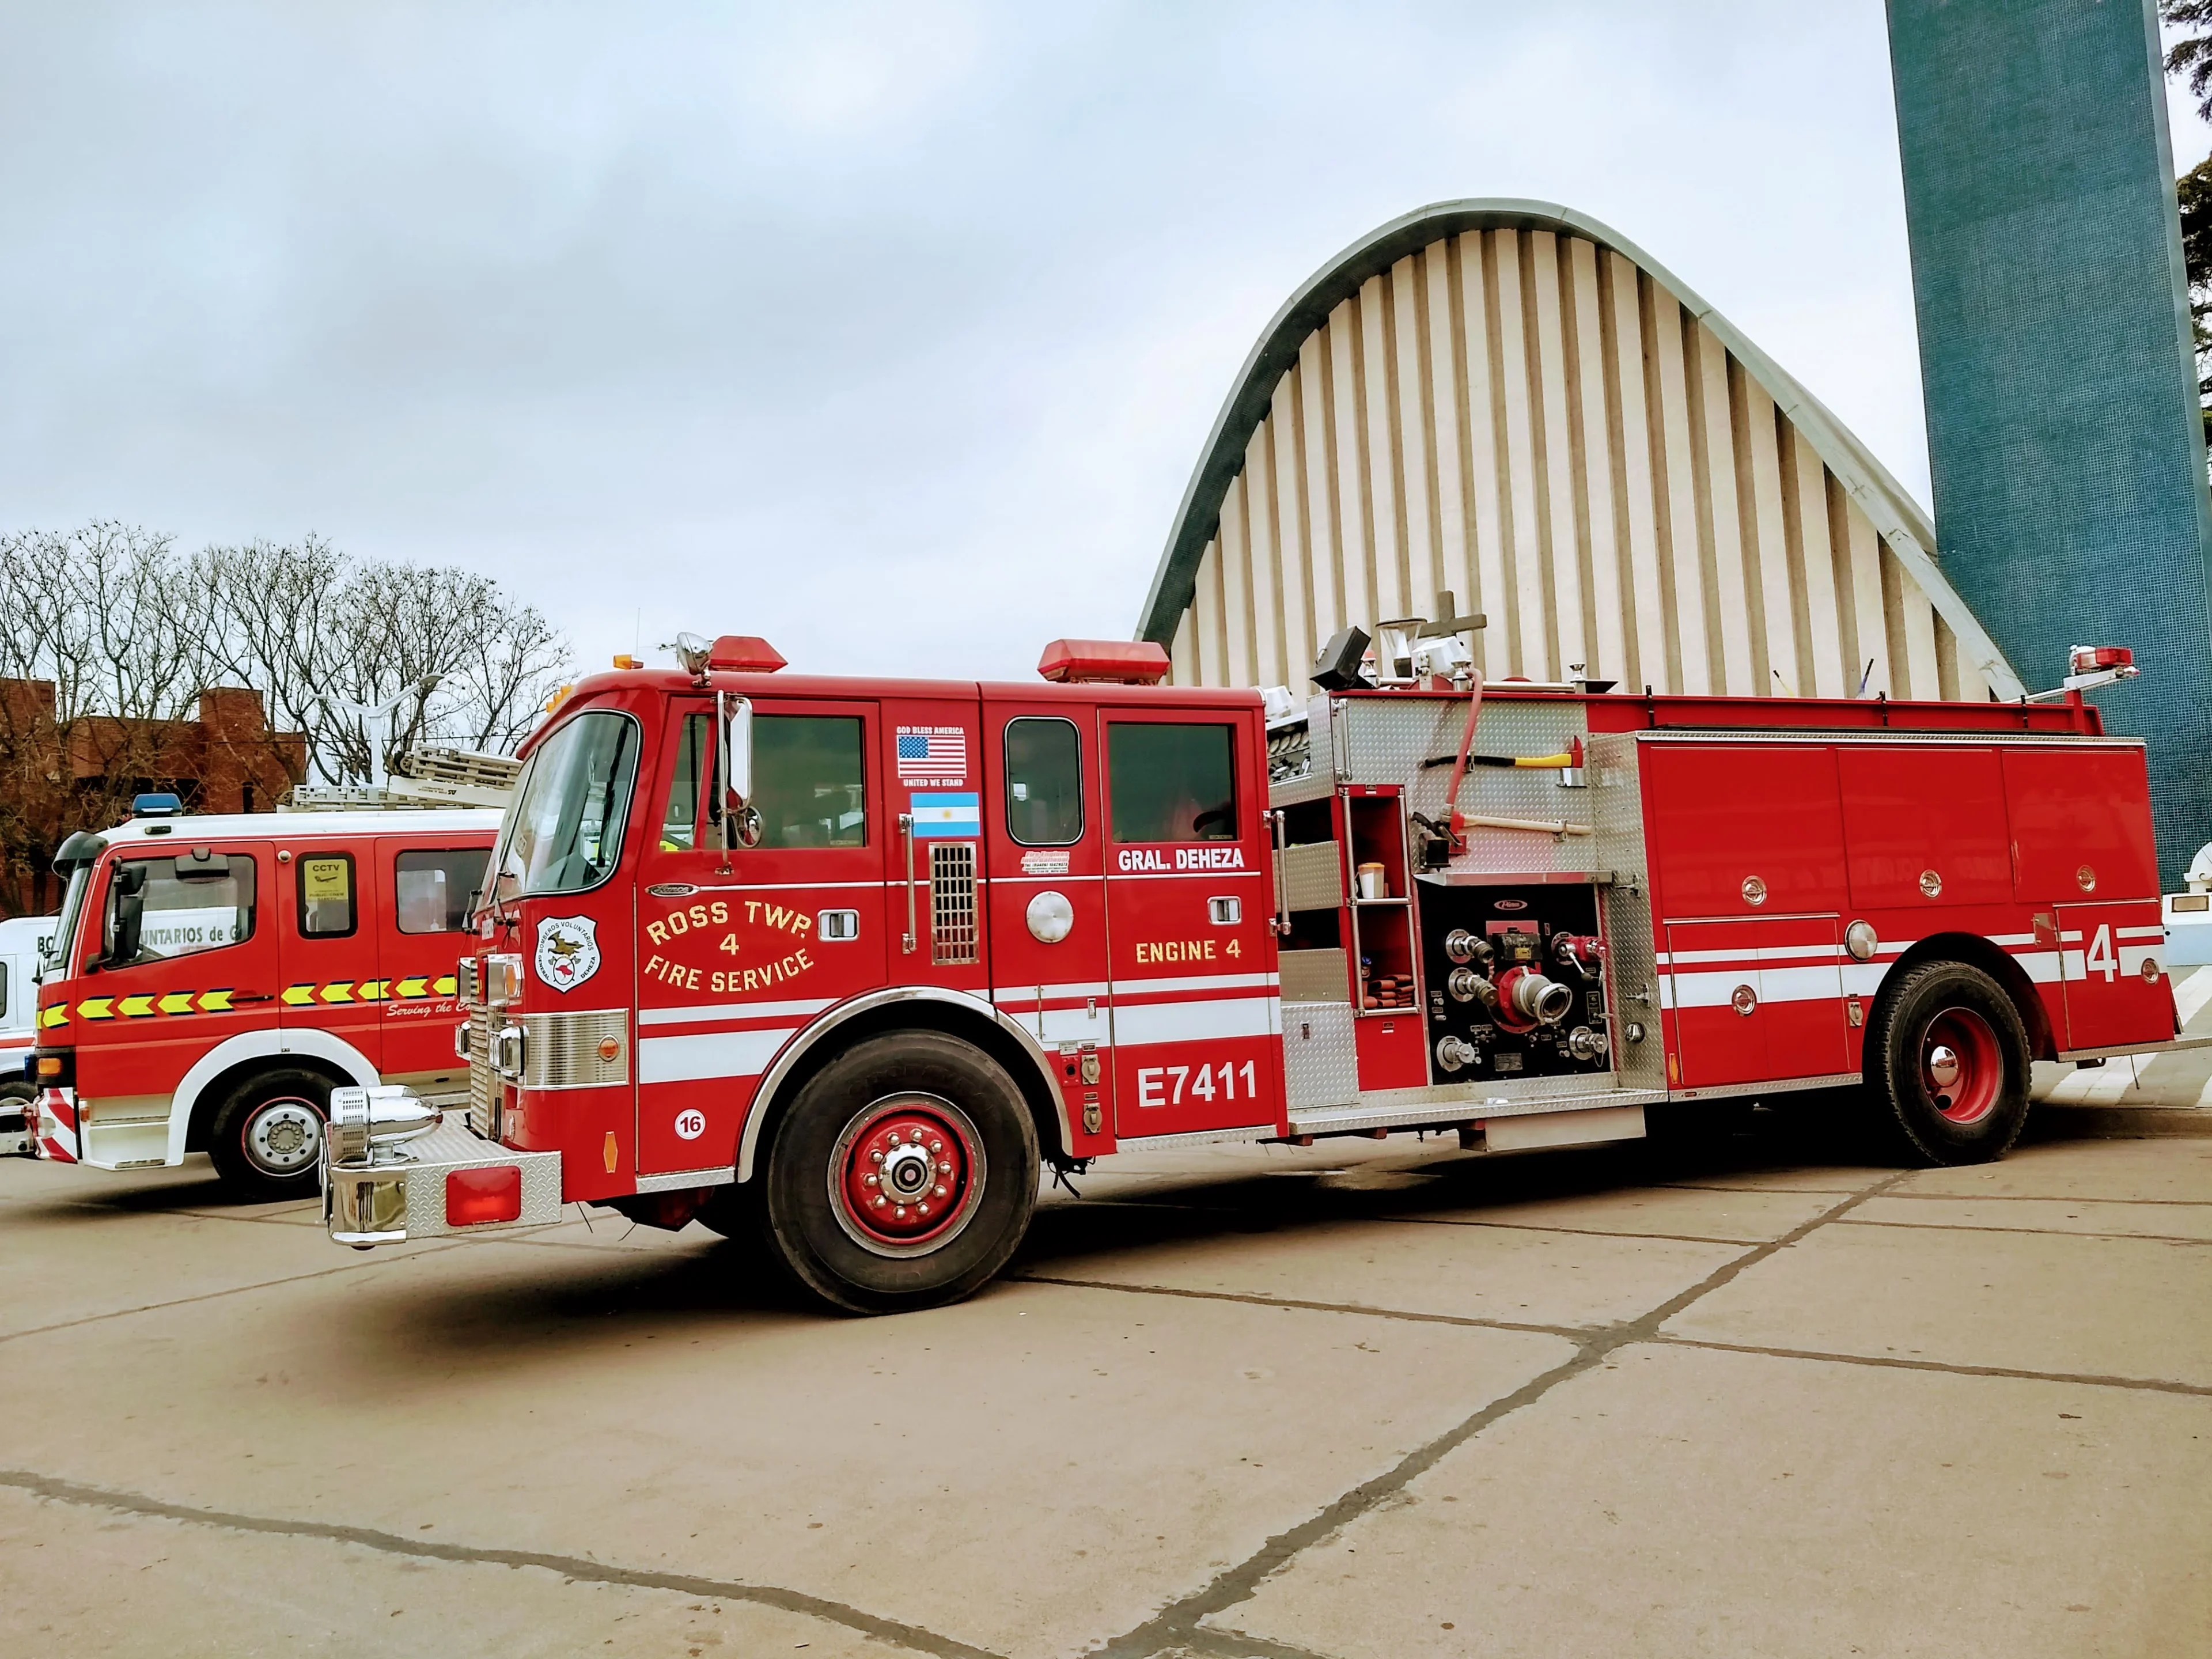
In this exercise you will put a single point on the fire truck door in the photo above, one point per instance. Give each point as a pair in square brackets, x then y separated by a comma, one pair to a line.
[736, 951]
[202, 966]
[1755, 1000]
[933, 765]
[421, 933]
[1196, 1011]
[325, 898]
[2113, 972]
[1043, 836]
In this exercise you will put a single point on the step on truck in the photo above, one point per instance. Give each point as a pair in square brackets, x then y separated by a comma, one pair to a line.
[843, 962]
[212, 979]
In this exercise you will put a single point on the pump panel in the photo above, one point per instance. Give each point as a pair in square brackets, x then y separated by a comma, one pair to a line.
[1515, 981]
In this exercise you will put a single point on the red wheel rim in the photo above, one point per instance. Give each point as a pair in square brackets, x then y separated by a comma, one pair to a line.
[1961, 1065]
[906, 1174]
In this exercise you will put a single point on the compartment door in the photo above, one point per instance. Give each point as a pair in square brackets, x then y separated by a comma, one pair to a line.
[1755, 1001]
[1715, 1036]
[2103, 953]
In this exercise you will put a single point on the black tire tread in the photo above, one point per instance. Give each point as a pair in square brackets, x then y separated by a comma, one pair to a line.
[224, 1130]
[1904, 1125]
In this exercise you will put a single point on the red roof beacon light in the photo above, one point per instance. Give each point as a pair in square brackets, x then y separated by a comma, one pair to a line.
[2088, 659]
[2088, 666]
[744, 653]
[1104, 662]
[731, 653]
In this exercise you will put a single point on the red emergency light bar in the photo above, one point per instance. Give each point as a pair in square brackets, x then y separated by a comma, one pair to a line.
[744, 653]
[1104, 662]
[2088, 659]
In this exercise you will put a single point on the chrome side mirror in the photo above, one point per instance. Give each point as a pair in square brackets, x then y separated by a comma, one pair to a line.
[733, 726]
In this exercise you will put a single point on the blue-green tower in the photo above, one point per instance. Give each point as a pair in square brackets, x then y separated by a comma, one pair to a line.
[2063, 435]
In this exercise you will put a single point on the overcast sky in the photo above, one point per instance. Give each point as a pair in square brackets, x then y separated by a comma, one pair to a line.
[888, 331]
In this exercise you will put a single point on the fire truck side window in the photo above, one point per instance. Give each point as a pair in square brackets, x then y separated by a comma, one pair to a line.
[1044, 782]
[434, 887]
[679, 819]
[1171, 782]
[190, 905]
[809, 783]
[326, 900]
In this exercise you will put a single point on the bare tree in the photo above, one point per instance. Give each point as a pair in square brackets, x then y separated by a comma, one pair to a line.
[323, 637]
[128, 632]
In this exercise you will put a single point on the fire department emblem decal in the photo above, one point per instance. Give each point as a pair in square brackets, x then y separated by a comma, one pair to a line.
[567, 950]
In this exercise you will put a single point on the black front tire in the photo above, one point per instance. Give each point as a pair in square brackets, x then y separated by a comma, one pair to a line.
[828, 1243]
[266, 1140]
[1947, 1066]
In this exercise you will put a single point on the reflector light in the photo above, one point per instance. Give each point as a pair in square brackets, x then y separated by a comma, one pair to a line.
[2088, 659]
[1104, 662]
[744, 653]
[474, 1197]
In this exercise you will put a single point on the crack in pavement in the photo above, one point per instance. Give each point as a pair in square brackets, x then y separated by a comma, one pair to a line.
[911, 1637]
[2033, 1232]
[1181, 1623]
[1572, 1333]
[234, 1290]
[1893, 1362]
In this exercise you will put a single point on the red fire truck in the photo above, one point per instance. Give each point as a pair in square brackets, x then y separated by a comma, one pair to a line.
[843, 960]
[212, 979]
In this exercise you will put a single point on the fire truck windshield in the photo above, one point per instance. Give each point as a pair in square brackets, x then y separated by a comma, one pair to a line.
[65, 942]
[564, 832]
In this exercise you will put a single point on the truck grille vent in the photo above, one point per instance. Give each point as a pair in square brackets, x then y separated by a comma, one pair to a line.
[576, 1051]
[952, 903]
[484, 1082]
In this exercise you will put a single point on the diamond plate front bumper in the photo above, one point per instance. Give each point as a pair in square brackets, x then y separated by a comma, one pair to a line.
[401, 1193]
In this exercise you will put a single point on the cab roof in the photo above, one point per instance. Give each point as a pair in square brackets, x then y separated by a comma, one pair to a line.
[306, 826]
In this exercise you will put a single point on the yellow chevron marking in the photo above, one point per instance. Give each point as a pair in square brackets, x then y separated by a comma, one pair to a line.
[56, 1015]
[298, 996]
[376, 990]
[137, 1007]
[215, 1002]
[177, 1002]
[443, 985]
[96, 1008]
[415, 986]
[342, 992]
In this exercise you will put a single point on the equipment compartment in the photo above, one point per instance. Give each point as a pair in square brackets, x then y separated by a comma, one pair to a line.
[1513, 982]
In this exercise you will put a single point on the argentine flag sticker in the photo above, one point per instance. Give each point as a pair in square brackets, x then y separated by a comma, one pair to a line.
[948, 814]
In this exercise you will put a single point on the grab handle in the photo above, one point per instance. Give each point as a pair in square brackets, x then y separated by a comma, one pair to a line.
[906, 834]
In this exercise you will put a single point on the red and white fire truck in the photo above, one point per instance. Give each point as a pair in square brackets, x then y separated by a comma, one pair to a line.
[212, 979]
[843, 960]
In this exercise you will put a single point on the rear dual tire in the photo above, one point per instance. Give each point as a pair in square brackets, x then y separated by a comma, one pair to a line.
[903, 1175]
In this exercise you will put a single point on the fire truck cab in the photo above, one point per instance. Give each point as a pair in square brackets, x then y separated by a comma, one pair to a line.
[212, 979]
[844, 961]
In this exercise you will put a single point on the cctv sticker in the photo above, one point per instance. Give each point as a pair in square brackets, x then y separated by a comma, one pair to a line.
[691, 1124]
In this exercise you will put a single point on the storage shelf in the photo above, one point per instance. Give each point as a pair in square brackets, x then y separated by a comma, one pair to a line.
[1380, 904]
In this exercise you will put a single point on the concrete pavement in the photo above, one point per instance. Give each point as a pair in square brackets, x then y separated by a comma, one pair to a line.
[1728, 1395]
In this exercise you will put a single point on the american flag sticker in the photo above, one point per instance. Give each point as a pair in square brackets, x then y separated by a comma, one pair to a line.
[933, 756]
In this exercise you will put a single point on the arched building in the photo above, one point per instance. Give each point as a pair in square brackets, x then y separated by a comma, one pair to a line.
[1510, 401]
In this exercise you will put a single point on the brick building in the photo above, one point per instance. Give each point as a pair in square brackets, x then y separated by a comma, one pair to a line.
[58, 776]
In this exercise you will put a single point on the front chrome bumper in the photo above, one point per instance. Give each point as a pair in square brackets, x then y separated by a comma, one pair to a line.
[401, 1191]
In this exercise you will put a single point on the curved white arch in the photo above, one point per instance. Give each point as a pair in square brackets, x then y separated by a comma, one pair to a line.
[1647, 466]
